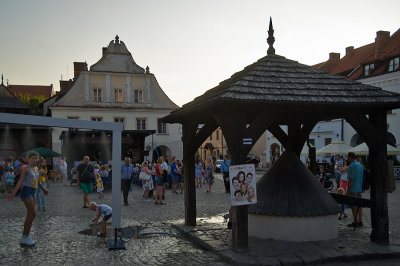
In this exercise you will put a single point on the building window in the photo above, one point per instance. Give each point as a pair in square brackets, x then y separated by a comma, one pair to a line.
[118, 95]
[162, 127]
[394, 64]
[328, 141]
[73, 117]
[141, 124]
[138, 96]
[119, 120]
[97, 95]
[211, 136]
[217, 135]
[368, 69]
[97, 118]
[312, 142]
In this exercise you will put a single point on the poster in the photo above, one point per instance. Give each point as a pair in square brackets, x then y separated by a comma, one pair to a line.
[243, 184]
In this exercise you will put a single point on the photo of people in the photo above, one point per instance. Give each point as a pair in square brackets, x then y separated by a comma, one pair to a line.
[243, 184]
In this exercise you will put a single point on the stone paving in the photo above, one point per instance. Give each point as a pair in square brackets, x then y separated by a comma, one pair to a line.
[59, 242]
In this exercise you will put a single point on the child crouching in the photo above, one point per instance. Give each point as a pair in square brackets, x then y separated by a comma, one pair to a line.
[101, 209]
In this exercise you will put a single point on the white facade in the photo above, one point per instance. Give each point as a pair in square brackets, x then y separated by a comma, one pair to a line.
[389, 82]
[117, 90]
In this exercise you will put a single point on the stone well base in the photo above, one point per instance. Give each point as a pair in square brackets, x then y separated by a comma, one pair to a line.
[293, 228]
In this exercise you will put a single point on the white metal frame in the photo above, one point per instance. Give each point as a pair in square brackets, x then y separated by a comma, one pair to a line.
[116, 129]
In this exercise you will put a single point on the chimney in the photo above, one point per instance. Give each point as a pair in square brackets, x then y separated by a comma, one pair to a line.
[334, 57]
[78, 68]
[382, 38]
[349, 51]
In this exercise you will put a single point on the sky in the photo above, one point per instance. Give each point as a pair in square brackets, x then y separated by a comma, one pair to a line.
[190, 46]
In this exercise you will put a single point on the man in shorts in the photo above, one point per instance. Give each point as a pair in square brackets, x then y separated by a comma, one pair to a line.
[84, 178]
[355, 174]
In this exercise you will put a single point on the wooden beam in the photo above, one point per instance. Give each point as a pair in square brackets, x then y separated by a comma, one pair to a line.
[304, 134]
[189, 128]
[378, 173]
[279, 134]
[363, 126]
[209, 127]
[344, 199]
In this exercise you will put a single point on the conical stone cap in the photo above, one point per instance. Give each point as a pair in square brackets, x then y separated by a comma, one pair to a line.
[290, 189]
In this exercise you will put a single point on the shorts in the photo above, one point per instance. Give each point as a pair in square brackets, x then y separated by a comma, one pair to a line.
[10, 183]
[175, 179]
[159, 181]
[100, 189]
[343, 184]
[86, 187]
[107, 217]
[28, 193]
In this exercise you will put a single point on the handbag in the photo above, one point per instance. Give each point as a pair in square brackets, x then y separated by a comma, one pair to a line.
[144, 176]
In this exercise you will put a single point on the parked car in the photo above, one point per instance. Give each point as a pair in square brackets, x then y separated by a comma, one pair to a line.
[218, 166]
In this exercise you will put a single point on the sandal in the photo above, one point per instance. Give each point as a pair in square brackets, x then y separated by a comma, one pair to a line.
[156, 203]
[163, 203]
[353, 224]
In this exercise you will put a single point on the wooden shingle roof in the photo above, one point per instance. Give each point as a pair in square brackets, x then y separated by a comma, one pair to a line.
[274, 79]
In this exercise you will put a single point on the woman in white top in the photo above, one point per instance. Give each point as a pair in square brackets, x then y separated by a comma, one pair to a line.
[147, 184]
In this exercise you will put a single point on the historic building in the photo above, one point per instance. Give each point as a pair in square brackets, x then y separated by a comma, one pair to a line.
[16, 139]
[374, 64]
[115, 89]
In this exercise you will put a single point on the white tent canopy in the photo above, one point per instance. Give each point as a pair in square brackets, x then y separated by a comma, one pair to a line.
[336, 147]
[362, 149]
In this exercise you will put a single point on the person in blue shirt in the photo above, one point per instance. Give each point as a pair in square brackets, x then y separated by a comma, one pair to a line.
[126, 173]
[225, 173]
[355, 174]
[174, 175]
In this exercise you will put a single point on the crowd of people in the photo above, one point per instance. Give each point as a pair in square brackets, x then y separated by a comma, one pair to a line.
[350, 177]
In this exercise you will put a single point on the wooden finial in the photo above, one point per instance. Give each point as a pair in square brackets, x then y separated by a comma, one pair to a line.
[116, 39]
[271, 38]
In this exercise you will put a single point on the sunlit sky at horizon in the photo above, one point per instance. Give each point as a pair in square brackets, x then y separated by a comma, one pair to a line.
[190, 46]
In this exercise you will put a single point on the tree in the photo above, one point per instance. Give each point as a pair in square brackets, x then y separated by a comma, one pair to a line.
[33, 103]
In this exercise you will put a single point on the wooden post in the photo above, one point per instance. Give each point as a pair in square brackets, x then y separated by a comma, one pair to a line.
[234, 127]
[378, 174]
[190, 188]
[188, 162]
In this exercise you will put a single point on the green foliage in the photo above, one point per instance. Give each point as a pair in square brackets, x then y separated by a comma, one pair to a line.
[33, 103]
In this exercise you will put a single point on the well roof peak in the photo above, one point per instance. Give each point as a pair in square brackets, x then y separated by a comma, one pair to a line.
[271, 38]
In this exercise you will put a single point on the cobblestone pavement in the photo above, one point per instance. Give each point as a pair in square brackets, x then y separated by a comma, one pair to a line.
[59, 242]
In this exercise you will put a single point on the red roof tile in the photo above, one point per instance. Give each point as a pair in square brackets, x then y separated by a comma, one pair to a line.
[33, 90]
[351, 65]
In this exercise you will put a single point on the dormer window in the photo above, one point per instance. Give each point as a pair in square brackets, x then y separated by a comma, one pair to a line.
[394, 64]
[118, 95]
[138, 96]
[97, 95]
[368, 69]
